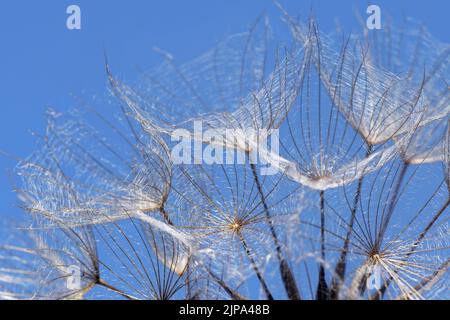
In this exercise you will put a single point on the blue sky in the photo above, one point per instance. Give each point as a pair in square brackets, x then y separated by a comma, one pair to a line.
[42, 64]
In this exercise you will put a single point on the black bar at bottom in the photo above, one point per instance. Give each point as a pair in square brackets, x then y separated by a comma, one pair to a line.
[258, 310]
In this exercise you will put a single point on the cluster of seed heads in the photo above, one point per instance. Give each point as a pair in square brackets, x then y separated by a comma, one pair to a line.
[362, 177]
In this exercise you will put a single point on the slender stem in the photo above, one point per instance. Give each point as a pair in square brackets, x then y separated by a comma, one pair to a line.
[232, 293]
[255, 268]
[108, 286]
[322, 225]
[391, 206]
[392, 202]
[165, 215]
[428, 227]
[339, 271]
[286, 273]
[322, 287]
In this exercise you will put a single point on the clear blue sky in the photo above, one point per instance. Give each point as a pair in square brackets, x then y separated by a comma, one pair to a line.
[42, 64]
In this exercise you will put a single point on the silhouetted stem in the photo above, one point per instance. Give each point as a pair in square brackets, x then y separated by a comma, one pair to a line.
[232, 293]
[339, 271]
[285, 271]
[391, 206]
[165, 216]
[106, 285]
[322, 287]
[255, 268]
[394, 199]
[428, 227]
